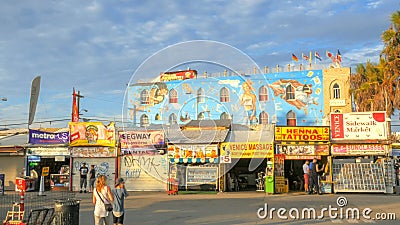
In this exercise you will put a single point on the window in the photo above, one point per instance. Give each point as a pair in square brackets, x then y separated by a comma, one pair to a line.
[144, 97]
[290, 94]
[144, 120]
[173, 96]
[172, 119]
[336, 91]
[224, 116]
[201, 116]
[291, 118]
[224, 94]
[157, 117]
[263, 94]
[200, 95]
[263, 118]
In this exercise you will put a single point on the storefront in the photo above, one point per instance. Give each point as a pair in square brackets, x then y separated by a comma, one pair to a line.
[143, 162]
[94, 144]
[360, 152]
[245, 156]
[296, 145]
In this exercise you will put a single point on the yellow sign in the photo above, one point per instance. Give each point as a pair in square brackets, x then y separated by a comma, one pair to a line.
[45, 171]
[314, 134]
[91, 134]
[237, 150]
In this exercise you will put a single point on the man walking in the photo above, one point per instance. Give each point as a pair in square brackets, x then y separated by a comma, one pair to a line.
[83, 171]
[92, 178]
[314, 177]
[306, 170]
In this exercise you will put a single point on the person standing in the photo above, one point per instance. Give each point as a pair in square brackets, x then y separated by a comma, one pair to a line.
[314, 177]
[306, 170]
[92, 178]
[119, 194]
[83, 171]
[101, 195]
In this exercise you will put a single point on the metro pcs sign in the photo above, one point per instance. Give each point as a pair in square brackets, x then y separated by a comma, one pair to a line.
[359, 126]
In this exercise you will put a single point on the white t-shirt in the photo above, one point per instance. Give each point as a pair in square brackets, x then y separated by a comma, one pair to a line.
[99, 209]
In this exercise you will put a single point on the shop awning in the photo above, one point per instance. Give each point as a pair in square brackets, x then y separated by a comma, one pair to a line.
[11, 150]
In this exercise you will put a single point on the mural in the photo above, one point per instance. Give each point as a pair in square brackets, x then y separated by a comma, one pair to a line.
[247, 100]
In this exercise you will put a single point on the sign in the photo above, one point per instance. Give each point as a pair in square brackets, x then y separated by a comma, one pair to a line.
[45, 171]
[201, 152]
[337, 102]
[48, 151]
[93, 152]
[41, 137]
[237, 150]
[2, 184]
[312, 134]
[358, 149]
[91, 134]
[359, 126]
[178, 75]
[139, 139]
[302, 157]
[302, 150]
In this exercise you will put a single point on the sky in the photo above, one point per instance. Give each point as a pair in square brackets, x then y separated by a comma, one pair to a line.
[97, 47]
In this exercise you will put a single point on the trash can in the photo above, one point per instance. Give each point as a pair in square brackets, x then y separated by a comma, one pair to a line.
[66, 212]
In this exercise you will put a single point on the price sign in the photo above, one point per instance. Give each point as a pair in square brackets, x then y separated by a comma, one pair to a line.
[225, 159]
[45, 171]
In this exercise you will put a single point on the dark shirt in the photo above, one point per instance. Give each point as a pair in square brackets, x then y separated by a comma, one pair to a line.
[313, 171]
[92, 173]
[83, 171]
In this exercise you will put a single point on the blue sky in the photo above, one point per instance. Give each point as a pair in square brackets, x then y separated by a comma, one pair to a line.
[96, 46]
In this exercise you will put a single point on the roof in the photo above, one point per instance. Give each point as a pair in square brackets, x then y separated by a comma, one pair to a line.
[196, 136]
[250, 136]
[14, 140]
[208, 123]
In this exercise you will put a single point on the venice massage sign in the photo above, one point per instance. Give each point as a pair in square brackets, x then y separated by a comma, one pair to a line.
[314, 134]
[359, 126]
[237, 150]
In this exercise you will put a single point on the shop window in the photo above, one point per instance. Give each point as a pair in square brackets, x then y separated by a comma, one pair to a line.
[173, 119]
[224, 94]
[224, 116]
[173, 96]
[144, 97]
[263, 118]
[291, 118]
[290, 94]
[263, 94]
[200, 95]
[336, 91]
[144, 120]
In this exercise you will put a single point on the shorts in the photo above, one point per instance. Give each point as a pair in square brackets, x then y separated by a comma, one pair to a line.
[306, 179]
[118, 220]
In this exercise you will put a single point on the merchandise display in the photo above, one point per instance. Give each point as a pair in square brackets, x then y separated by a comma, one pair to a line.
[197, 176]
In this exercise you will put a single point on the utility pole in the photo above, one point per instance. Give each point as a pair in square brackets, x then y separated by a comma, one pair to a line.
[79, 96]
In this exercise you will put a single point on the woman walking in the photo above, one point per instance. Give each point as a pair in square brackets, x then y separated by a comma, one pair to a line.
[119, 194]
[101, 195]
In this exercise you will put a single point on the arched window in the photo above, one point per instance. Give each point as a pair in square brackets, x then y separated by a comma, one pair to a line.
[200, 95]
[157, 117]
[173, 96]
[224, 95]
[144, 97]
[291, 118]
[144, 120]
[201, 116]
[263, 118]
[336, 91]
[173, 119]
[224, 116]
[290, 94]
[263, 94]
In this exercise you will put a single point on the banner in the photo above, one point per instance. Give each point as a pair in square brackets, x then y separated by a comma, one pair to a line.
[88, 152]
[303, 150]
[358, 149]
[192, 151]
[140, 139]
[91, 134]
[35, 89]
[359, 126]
[237, 150]
[312, 134]
[42, 137]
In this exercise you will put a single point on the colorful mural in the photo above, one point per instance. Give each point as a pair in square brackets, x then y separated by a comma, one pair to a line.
[247, 100]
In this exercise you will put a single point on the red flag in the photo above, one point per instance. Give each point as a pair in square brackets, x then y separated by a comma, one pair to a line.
[75, 113]
[305, 57]
[295, 58]
[318, 56]
[329, 54]
[338, 56]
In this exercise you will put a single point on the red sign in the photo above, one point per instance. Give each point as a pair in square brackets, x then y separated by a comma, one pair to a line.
[337, 127]
[358, 149]
[178, 75]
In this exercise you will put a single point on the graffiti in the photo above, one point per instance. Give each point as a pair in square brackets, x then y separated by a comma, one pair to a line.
[133, 173]
[150, 165]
